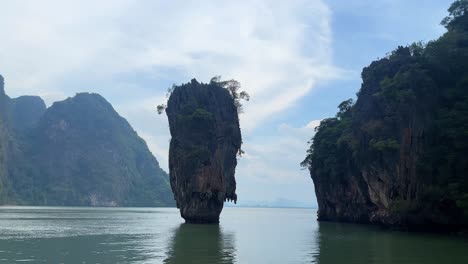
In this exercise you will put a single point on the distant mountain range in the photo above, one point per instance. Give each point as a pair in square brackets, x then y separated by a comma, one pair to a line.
[78, 152]
[277, 203]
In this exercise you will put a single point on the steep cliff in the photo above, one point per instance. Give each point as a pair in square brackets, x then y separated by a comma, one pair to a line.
[77, 152]
[84, 153]
[206, 138]
[399, 155]
[19, 115]
[3, 141]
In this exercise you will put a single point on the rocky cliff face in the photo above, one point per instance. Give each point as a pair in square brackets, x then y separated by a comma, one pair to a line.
[399, 155]
[3, 140]
[206, 138]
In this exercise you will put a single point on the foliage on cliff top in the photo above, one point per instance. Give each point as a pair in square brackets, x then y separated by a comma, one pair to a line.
[232, 86]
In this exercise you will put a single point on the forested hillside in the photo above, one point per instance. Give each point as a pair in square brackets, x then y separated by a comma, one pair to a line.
[77, 152]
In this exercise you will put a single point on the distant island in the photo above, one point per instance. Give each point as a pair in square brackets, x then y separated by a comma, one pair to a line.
[276, 203]
[78, 152]
[398, 156]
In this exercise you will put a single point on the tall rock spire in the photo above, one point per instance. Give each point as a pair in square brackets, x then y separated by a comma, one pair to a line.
[206, 138]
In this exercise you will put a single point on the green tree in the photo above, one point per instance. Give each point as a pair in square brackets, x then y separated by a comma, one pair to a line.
[457, 15]
[232, 86]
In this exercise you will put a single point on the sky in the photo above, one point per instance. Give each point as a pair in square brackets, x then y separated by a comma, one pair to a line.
[297, 59]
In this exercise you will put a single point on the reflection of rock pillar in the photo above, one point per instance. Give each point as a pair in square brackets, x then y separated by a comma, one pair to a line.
[201, 244]
[206, 138]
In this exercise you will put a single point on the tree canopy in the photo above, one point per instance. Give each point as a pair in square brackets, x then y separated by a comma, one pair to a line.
[232, 86]
[458, 13]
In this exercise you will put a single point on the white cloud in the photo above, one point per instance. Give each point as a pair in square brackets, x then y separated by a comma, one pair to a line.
[278, 50]
[272, 163]
[44, 41]
[313, 124]
[286, 146]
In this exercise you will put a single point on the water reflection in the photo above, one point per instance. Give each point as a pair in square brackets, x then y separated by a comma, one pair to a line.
[348, 243]
[201, 244]
[79, 249]
[247, 235]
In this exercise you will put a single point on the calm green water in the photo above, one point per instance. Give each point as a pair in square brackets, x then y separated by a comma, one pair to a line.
[245, 235]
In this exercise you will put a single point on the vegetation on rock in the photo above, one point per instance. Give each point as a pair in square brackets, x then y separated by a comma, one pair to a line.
[232, 86]
[399, 155]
